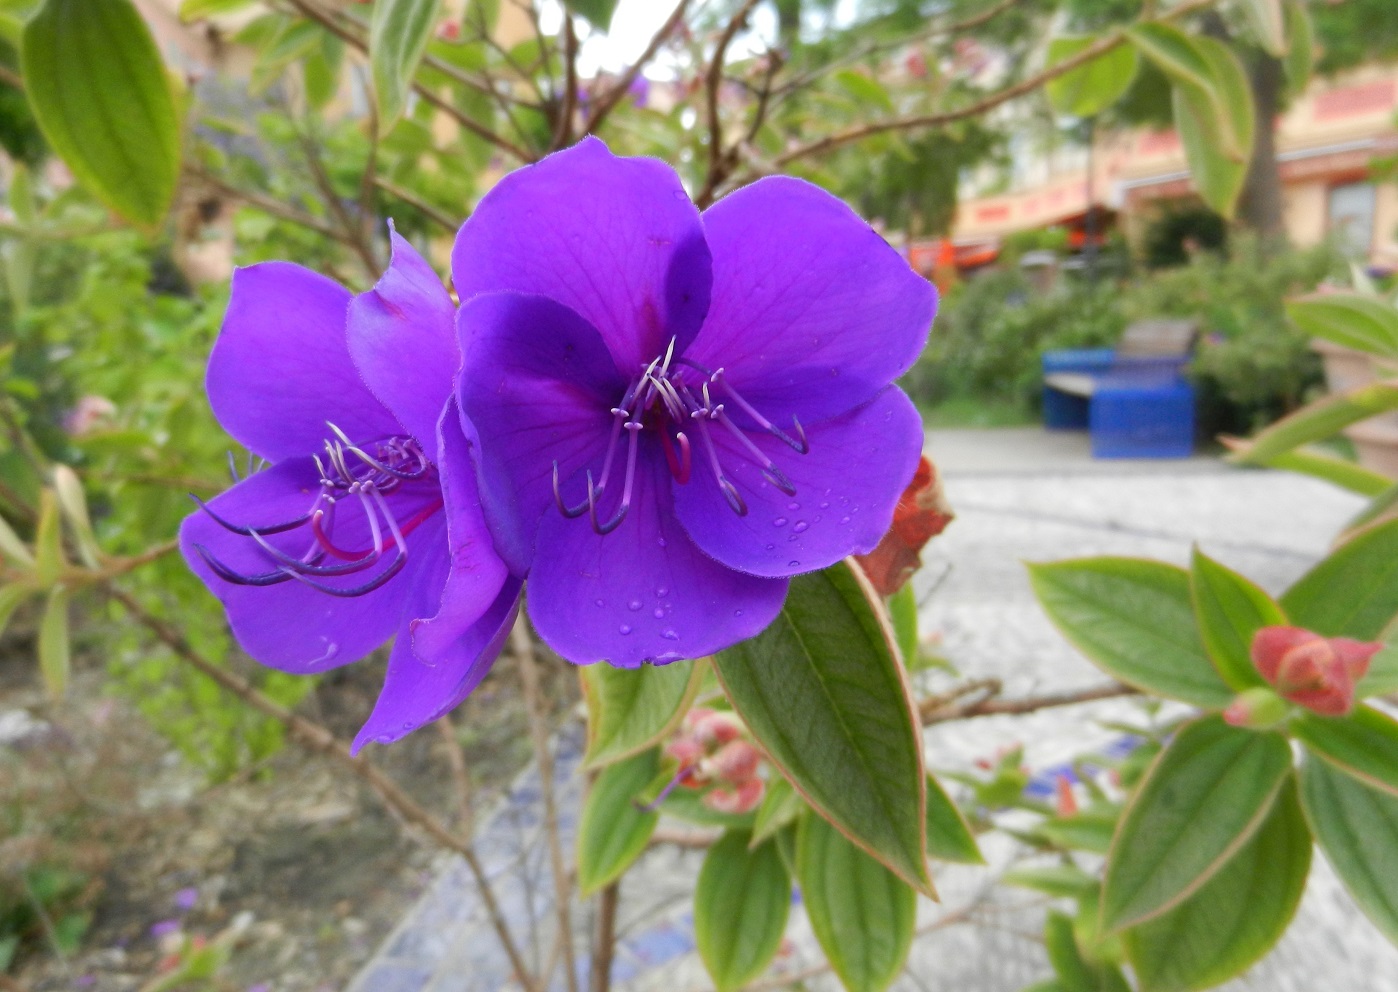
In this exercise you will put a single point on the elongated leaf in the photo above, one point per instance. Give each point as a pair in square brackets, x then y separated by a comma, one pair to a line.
[1090, 830]
[1300, 48]
[781, 805]
[861, 912]
[948, 835]
[1308, 461]
[1319, 420]
[1357, 828]
[1065, 881]
[629, 709]
[398, 34]
[12, 549]
[1382, 677]
[11, 596]
[1363, 744]
[865, 89]
[1203, 798]
[55, 657]
[1268, 22]
[72, 502]
[688, 805]
[822, 691]
[1204, 70]
[99, 91]
[48, 540]
[902, 613]
[1217, 143]
[1379, 509]
[1349, 319]
[741, 903]
[1075, 972]
[1235, 919]
[598, 13]
[1134, 620]
[613, 830]
[1230, 610]
[1174, 53]
[1090, 88]
[1354, 591]
[193, 10]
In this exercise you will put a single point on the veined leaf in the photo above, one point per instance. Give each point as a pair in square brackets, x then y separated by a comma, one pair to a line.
[822, 691]
[1090, 88]
[1236, 918]
[613, 830]
[1363, 744]
[1300, 49]
[100, 93]
[55, 656]
[861, 912]
[948, 835]
[1205, 69]
[781, 805]
[902, 613]
[629, 709]
[1203, 798]
[1066, 881]
[1230, 610]
[864, 89]
[1357, 828]
[1074, 970]
[1382, 677]
[1268, 22]
[741, 903]
[1217, 145]
[12, 548]
[48, 540]
[1354, 591]
[1319, 420]
[1133, 619]
[598, 13]
[398, 34]
[1349, 319]
[1338, 471]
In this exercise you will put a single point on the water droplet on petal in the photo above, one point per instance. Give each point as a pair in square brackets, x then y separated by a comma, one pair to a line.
[624, 629]
[662, 591]
[844, 520]
[770, 547]
[793, 507]
[601, 602]
[737, 613]
[658, 613]
[660, 541]
[635, 604]
[670, 635]
[825, 505]
[801, 525]
[779, 522]
[407, 725]
[792, 564]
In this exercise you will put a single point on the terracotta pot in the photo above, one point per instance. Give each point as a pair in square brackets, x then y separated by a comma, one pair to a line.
[1376, 439]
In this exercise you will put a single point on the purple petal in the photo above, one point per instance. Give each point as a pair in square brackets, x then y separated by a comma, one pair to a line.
[615, 239]
[281, 367]
[537, 385]
[291, 626]
[416, 693]
[402, 337]
[812, 312]
[847, 486]
[643, 592]
[471, 578]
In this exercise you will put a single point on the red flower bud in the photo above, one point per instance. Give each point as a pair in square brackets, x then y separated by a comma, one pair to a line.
[1316, 672]
[1067, 803]
[742, 798]
[712, 727]
[735, 762]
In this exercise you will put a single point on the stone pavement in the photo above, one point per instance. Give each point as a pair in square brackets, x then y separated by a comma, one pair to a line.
[1020, 495]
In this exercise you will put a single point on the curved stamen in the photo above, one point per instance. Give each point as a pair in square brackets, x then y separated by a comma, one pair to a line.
[228, 574]
[730, 491]
[310, 567]
[592, 495]
[248, 531]
[798, 443]
[394, 567]
[569, 512]
[770, 471]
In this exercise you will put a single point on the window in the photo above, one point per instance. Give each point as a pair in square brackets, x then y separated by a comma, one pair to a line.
[1351, 217]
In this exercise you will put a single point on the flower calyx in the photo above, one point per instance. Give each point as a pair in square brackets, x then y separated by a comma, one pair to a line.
[1304, 668]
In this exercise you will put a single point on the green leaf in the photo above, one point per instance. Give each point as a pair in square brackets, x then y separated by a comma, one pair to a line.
[1075, 972]
[823, 693]
[902, 613]
[321, 71]
[12, 548]
[1066, 881]
[1300, 49]
[1357, 828]
[1134, 620]
[688, 805]
[1217, 141]
[99, 91]
[193, 10]
[1359, 322]
[1363, 744]
[1236, 918]
[740, 905]
[11, 596]
[1339, 471]
[55, 659]
[1354, 591]
[862, 913]
[72, 502]
[48, 540]
[1317, 421]
[1090, 88]
[1268, 22]
[1230, 610]
[1207, 72]
[864, 89]
[398, 34]
[781, 805]
[598, 13]
[1203, 798]
[948, 835]
[1382, 677]
[613, 830]
[629, 709]
[1086, 831]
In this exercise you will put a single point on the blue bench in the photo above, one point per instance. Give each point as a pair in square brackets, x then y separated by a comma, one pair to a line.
[1134, 398]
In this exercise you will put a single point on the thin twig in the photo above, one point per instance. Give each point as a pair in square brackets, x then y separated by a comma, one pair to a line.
[523, 647]
[418, 204]
[713, 84]
[368, 179]
[1002, 707]
[604, 939]
[316, 738]
[608, 101]
[353, 229]
[460, 776]
[268, 205]
[563, 127]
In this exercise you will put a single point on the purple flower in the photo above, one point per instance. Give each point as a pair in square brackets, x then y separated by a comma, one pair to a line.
[366, 522]
[674, 413]
[186, 898]
[163, 928]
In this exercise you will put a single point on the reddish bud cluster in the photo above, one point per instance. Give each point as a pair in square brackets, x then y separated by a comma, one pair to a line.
[713, 754]
[922, 513]
[1316, 672]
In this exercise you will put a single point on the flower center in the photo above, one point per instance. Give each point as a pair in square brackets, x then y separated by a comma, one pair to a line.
[677, 399]
[347, 472]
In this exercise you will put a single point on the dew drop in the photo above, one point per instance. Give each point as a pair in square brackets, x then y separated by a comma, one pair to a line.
[793, 507]
[407, 725]
[801, 525]
[791, 537]
[624, 629]
[601, 602]
[635, 604]
[662, 590]
[844, 520]
[669, 635]
[825, 504]
[658, 613]
[770, 547]
[737, 613]
[660, 541]
[792, 564]
[779, 522]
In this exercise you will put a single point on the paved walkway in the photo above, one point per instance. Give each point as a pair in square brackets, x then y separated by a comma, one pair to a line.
[1020, 495]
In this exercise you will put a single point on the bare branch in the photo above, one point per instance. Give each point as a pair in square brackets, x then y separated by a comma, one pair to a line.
[607, 103]
[268, 205]
[418, 204]
[563, 127]
[1031, 704]
[604, 939]
[713, 85]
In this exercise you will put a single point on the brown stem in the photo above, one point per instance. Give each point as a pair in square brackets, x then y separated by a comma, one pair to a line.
[1002, 707]
[604, 939]
[523, 647]
[352, 228]
[316, 738]
[712, 84]
[607, 103]
[460, 776]
[418, 204]
[269, 206]
[563, 127]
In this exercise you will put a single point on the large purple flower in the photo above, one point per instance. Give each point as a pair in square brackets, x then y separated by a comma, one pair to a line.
[367, 522]
[674, 413]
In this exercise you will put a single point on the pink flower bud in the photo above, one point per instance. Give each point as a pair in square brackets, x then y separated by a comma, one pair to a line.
[1067, 803]
[686, 750]
[715, 727]
[742, 798]
[1316, 672]
[1257, 708]
[735, 762]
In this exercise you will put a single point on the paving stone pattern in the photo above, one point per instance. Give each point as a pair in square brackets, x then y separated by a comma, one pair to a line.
[1270, 526]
